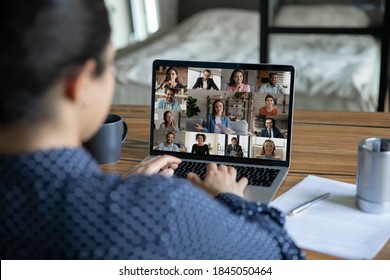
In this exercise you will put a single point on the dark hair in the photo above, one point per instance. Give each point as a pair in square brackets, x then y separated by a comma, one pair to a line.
[46, 40]
[202, 135]
[165, 115]
[234, 138]
[272, 74]
[213, 109]
[170, 132]
[174, 90]
[207, 70]
[231, 80]
[269, 96]
[173, 69]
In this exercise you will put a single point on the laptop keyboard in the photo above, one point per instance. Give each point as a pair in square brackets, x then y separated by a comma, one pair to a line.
[257, 176]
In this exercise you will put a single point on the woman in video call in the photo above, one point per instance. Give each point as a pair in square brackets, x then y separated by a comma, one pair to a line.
[236, 82]
[268, 151]
[200, 148]
[169, 122]
[55, 201]
[217, 117]
[171, 79]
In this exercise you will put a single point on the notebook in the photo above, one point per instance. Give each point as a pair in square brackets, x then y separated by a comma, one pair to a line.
[207, 112]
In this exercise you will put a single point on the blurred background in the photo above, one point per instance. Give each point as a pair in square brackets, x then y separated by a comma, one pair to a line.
[340, 48]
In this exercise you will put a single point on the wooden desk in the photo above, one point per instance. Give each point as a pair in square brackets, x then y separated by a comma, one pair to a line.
[325, 143]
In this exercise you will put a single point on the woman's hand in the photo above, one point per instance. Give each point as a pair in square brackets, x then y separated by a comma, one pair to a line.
[219, 179]
[163, 165]
[198, 127]
[174, 126]
[170, 84]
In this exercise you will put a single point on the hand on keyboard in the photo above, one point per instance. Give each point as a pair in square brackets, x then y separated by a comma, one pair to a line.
[219, 179]
[163, 165]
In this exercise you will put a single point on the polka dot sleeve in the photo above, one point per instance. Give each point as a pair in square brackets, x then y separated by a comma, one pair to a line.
[270, 218]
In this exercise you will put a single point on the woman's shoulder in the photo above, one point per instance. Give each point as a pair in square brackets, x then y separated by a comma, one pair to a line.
[229, 87]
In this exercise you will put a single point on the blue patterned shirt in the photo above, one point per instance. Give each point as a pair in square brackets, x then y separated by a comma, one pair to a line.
[57, 204]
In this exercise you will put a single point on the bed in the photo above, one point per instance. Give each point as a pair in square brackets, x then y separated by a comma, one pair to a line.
[334, 72]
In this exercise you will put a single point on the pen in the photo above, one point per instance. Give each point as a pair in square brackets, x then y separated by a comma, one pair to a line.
[307, 204]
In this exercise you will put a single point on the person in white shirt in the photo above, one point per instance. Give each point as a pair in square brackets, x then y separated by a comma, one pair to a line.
[168, 145]
[272, 87]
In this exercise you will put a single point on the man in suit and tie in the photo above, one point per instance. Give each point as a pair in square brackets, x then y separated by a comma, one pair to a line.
[234, 149]
[205, 82]
[270, 131]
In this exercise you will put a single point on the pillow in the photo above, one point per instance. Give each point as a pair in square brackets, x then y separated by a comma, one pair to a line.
[329, 15]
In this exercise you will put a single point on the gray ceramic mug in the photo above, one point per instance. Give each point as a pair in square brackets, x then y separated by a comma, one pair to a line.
[106, 145]
[373, 176]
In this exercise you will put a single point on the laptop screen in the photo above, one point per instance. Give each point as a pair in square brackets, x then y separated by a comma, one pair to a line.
[228, 112]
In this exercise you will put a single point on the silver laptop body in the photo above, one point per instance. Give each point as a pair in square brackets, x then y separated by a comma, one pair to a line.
[243, 119]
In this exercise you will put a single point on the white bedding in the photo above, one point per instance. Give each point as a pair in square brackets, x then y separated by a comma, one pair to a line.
[340, 68]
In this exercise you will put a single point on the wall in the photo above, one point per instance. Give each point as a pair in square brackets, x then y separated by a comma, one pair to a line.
[119, 12]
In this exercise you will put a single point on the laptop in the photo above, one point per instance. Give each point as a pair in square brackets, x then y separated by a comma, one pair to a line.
[207, 112]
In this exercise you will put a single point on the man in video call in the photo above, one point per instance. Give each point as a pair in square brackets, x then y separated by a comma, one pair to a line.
[272, 87]
[206, 82]
[169, 102]
[234, 149]
[270, 131]
[168, 145]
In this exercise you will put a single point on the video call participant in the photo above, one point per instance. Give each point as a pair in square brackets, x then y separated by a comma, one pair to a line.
[236, 82]
[268, 109]
[233, 149]
[268, 151]
[200, 148]
[206, 82]
[169, 122]
[57, 204]
[270, 131]
[272, 87]
[171, 79]
[168, 145]
[169, 102]
[216, 117]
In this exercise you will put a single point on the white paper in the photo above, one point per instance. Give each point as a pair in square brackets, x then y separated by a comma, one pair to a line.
[333, 226]
[225, 129]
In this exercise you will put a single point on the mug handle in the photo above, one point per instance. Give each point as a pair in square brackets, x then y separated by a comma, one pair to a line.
[125, 130]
